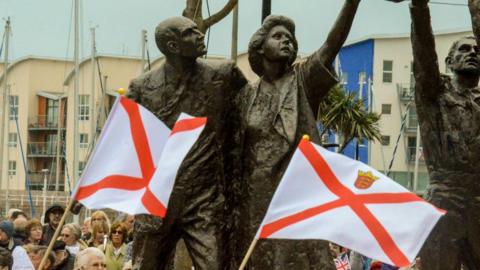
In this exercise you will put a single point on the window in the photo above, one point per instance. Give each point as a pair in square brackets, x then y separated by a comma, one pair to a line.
[412, 117]
[12, 167]
[386, 108]
[52, 113]
[362, 79]
[83, 107]
[385, 140]
[344, 78]
[12, 139]
[81, 166]
[83, 140]
[13, 107]
[387, 71]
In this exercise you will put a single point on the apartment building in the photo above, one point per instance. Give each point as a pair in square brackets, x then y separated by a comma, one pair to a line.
[379, 68]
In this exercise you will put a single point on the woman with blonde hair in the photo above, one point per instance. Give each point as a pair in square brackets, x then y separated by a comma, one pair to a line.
[100, 232]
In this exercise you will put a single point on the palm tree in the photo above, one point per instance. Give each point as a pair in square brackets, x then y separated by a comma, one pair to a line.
[344, 114]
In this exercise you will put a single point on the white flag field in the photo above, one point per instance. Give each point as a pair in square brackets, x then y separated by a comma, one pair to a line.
[135, 162]
[325, 195]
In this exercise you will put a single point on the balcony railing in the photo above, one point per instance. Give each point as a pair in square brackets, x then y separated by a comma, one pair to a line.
[405, 91]
[44, 122]
[44, 149]
[38, 177]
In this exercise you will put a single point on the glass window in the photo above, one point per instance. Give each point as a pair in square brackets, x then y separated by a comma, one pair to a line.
[386, 108]
[81, 166]
[12, 139]
[12, 167]
[83, 107]
[52, 112]
[412, 117]
[385, 140]
[13, 107]
[344, 78]
[387, 71]
[83, 140]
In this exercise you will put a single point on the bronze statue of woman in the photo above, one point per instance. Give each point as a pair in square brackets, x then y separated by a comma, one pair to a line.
[275, 112]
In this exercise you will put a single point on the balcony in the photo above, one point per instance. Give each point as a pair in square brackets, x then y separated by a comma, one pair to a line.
[37, 178]
[44, 122]
[44, 149]
[405, 91]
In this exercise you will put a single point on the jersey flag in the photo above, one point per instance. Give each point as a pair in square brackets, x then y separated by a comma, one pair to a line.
[135, 162]
[325, 195]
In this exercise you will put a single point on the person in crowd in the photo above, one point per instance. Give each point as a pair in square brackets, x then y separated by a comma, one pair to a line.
[20, 220]
[129, 220]
[115, 249]
[6, 236]
[71, 235]
[100, 216]
[10, 213]
[86, 229]
[64, 260]
[33, 231]
[36, 253]
[51, 219]
[90, 259]
[21, 260]
[6, 259]
[99, 232]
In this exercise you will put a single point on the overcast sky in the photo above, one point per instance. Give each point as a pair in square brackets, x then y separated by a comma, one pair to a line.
[43, 27]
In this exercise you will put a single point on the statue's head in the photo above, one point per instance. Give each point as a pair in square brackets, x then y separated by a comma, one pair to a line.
[180, 36]
[464, 57]
[275, 41]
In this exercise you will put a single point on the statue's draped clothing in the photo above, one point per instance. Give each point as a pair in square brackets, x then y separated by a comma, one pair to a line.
[273, 119]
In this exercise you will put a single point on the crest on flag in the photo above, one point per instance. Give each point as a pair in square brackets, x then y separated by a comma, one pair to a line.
[365, 180]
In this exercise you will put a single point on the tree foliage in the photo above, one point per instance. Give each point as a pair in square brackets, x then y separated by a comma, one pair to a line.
[343, 113]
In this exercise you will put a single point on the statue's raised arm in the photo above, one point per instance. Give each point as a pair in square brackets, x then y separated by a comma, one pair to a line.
[318, 74]
[338, 34]
[427, 73]
[474, 6]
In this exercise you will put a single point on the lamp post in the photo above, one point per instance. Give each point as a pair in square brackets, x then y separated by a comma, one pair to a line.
[45, 172]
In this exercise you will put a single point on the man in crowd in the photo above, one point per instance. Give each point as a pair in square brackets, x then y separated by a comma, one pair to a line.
[6, 236]
[51, 220]
[90, 259]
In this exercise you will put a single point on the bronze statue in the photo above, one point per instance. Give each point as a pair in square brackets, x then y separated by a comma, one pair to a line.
[449, 117]
[276, 111]
[185, 83]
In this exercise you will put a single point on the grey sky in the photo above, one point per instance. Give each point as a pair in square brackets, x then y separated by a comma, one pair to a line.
[41, 27]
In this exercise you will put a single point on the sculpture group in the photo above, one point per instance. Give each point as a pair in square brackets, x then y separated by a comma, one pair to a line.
[224, 185]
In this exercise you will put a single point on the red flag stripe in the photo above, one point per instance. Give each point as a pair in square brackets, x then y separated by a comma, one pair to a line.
[279, 224]
[113, 181]
[153, 205]
[382, 198]
[326, 175]
[139, 137]
[188, 124]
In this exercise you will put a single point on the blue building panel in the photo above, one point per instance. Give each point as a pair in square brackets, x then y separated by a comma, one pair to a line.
[355, 59]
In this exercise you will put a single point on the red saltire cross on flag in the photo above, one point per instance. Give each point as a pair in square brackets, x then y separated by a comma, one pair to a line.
[135, 162]
[342, 262]
[325, 195]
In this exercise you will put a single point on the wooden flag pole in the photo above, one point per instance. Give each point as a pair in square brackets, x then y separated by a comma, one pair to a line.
[55, 235]
[249, 253]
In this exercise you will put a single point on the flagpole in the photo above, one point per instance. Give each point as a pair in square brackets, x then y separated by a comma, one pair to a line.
[249, 253]
[55, 235]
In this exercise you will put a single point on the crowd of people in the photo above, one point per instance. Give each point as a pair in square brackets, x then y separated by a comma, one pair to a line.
[94, 244]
